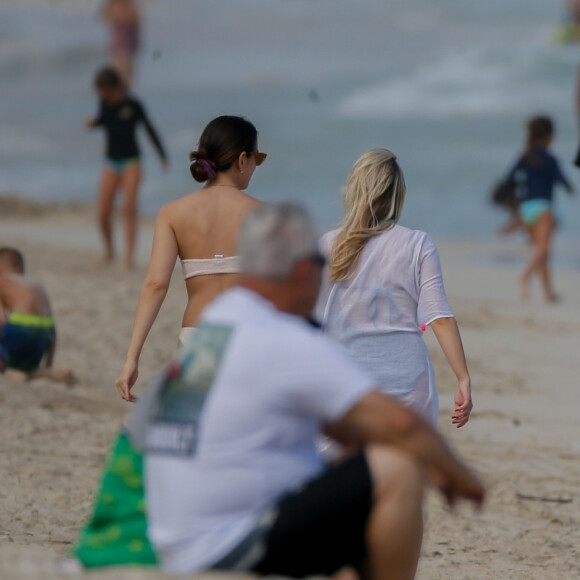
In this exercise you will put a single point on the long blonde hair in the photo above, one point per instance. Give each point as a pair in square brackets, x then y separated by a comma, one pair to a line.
[373, 201]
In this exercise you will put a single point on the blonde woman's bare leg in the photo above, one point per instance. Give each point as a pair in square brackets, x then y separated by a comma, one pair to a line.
[107, 190]
[131, 182]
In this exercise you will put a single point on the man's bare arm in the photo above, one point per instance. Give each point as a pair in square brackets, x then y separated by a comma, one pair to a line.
[379, 419]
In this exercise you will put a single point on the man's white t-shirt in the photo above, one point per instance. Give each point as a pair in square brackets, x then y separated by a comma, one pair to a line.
[266, 382]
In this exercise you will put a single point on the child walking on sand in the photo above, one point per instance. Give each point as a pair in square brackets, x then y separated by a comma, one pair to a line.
[27, 331]
[533, 177]
[120, 114]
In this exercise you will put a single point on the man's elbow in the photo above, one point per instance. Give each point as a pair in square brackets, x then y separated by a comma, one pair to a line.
[388, 421]
[405, 423]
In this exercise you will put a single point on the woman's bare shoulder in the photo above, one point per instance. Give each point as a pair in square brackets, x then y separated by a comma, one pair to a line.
[252, 203]
[179, 205]
[207, 202]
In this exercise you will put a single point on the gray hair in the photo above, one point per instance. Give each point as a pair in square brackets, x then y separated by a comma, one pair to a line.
[275, 237]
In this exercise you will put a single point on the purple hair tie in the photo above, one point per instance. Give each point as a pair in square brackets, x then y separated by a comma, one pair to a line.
[208, 166]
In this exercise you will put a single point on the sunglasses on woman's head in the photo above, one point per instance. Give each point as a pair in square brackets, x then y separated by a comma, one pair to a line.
[259, 157]
[318, 259]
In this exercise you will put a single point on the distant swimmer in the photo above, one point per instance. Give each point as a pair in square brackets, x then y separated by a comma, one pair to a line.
[574, 11]
[119, 115]
[123, 19]
[569, 29]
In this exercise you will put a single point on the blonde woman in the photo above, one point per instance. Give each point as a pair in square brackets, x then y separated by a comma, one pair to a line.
[383, 286]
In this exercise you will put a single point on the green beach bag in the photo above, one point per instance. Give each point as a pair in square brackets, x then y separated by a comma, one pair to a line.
[116, 534]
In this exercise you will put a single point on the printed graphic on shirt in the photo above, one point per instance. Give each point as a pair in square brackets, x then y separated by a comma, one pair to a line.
[126, 113]
[174, 425]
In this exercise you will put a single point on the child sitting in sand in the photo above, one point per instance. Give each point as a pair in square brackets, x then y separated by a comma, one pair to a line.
[27, 332]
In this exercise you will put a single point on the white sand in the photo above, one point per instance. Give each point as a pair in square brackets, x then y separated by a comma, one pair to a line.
[523, 437]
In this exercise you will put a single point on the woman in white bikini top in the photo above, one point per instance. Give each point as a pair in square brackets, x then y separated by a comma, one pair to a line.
[201, 229]
[219, 264]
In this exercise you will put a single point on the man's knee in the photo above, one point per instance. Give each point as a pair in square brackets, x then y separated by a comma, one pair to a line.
[394, 471]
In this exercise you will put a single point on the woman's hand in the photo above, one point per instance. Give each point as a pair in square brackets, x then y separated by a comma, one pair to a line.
[153, 291]
[463, 403]
[127, 379]
[447, 333]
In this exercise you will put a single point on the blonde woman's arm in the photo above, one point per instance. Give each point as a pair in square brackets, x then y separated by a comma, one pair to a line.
[153, 292]
[447, 334]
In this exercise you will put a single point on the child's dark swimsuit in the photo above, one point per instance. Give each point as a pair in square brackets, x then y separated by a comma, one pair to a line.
[536, 181]
[120, 123]
[534, 184]
[25, 339]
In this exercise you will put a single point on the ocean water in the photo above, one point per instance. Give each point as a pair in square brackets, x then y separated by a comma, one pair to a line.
[446, 85]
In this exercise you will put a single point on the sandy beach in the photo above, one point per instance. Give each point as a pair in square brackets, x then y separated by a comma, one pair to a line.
[523, 437]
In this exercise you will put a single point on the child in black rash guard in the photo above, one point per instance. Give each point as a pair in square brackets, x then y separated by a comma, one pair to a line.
[120, 114]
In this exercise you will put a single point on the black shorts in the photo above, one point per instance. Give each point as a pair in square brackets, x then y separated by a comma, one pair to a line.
[315, 530]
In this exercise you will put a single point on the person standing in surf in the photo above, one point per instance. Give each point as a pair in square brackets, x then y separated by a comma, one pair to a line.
[119, 115]
[123, 19]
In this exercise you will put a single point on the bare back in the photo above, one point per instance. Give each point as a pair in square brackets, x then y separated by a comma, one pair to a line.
[24, 295]
[206, 223]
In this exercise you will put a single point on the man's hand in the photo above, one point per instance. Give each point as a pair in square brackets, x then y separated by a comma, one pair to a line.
[464, 485]
[380, 419]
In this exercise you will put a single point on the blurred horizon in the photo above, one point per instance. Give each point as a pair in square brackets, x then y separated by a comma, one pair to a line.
[447, 86]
